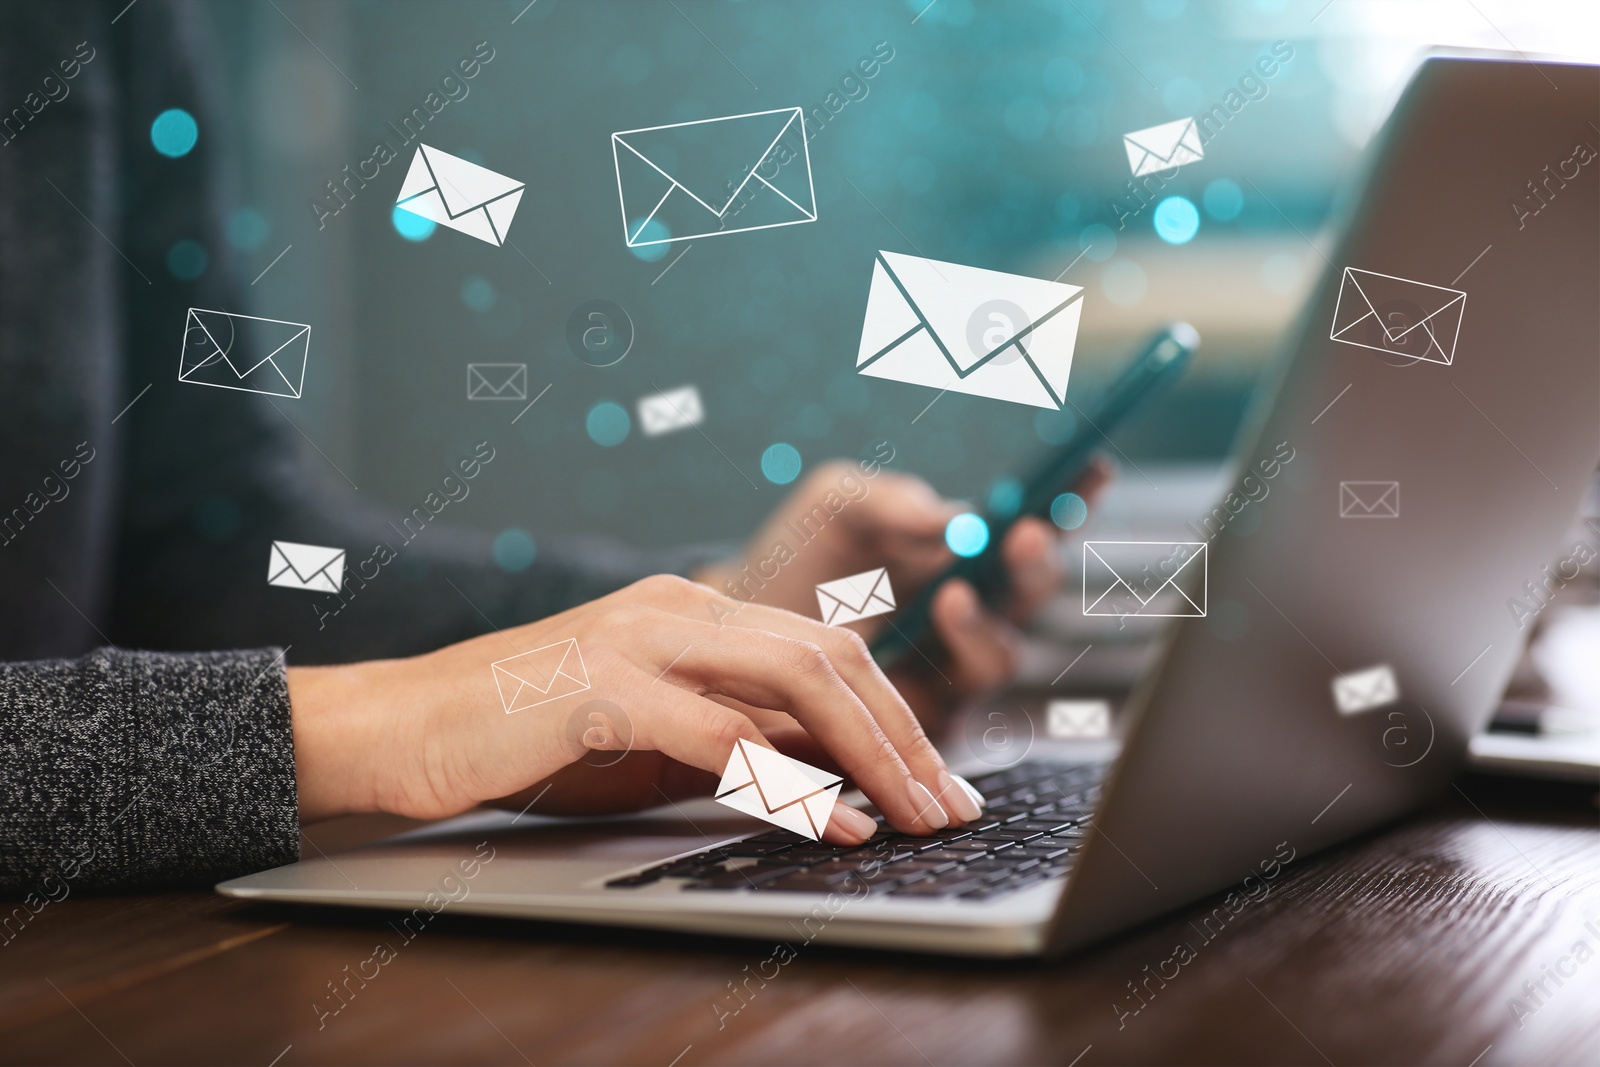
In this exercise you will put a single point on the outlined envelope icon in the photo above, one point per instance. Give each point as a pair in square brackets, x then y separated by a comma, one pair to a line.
[778, 790]
[714, 176]
[244, 352]
[672, 409]
[1078, 718]
[860, 596]
[1364, 690]
[1390, 314]
[917, 330]
[538, 677]
[497, 381]
[313, 567]
[1147, 578]
[1171, 144]
[458, 194]
[1369, 500]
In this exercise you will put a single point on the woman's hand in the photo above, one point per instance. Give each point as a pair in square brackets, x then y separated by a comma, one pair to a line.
[842, 520]
[428, 737]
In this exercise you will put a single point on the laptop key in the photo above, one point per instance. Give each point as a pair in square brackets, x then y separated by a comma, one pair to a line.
[1009, 834]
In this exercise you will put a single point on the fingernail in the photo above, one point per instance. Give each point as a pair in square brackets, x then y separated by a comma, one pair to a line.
[977, 797]
[958, 797]
[855, 823]
[927, 808]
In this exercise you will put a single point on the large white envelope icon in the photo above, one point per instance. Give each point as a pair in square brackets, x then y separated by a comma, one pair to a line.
[1369, 500]
[296, 566]
[674, 409]
[860, 596]
[244, 352]
[1171, 144]
[1078, 718]
[497, 381]
[778, 790]
[548, 673]
[917, 330]
[1145, 578]
[696, 178]
[458, 194]
[1390, 314]
[1364, 690]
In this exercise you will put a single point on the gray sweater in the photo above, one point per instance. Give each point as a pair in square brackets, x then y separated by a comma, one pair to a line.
[145, 734]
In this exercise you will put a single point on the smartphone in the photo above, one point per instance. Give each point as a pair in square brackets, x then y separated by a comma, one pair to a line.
[1164, 357]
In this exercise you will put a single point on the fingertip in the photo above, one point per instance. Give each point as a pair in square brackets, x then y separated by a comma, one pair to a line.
[847, 826]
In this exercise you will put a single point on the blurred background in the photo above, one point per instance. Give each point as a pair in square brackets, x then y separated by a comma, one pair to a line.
[991, 136]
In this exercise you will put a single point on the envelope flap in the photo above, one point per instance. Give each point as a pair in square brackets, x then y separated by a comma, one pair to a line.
[1370, 495]
[1145, 567]
[709, 159]
[854, 592]
[947, 295]
[462, 185]
[306, 560]
[498, 377]
[1379, 290]
[683, 402]
[782, 780]
[1162, 140]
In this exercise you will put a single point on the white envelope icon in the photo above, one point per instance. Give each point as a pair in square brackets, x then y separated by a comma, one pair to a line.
[1390, 314]
[1171, 144]
[497, 381]
[916, 330]
[778, 790]
[1365, 690]
[296, 566]
[548, 673]
[674, 409]
[1369, 500]
[460, 195]
[687, 176]
[860, 596]
[1078, 718]
[244, 352]
[1145, 578]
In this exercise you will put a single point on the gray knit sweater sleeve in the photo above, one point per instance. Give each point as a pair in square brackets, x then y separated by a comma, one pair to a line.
[144, 770]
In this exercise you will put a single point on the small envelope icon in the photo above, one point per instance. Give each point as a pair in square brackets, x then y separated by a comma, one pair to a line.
[460, 195]
[1369, 500]
[243, 352]
[1390, 314]
[860, 596]
[687, 176]
[674, 409]
[538, 677]
[1171, 144]
[916, 330]
[1364, 690]
[778, 790]
[313, 567]
[1078, 718]
[1145, 578]
[497, 381]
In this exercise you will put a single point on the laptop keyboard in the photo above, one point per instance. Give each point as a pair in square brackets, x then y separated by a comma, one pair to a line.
[1032, 829]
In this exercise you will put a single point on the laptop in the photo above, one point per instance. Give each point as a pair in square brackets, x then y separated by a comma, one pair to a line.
[1350, 649]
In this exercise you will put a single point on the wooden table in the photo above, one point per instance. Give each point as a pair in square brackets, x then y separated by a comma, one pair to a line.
[1411, 945]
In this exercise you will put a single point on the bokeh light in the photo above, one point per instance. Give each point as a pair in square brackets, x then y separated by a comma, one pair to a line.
[186, 260]
[608, 424]
[514, 550]
[1068, 511]
[174, 132]
[1176, 220]
[966, 534]
[780, 463]
[411, 227]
